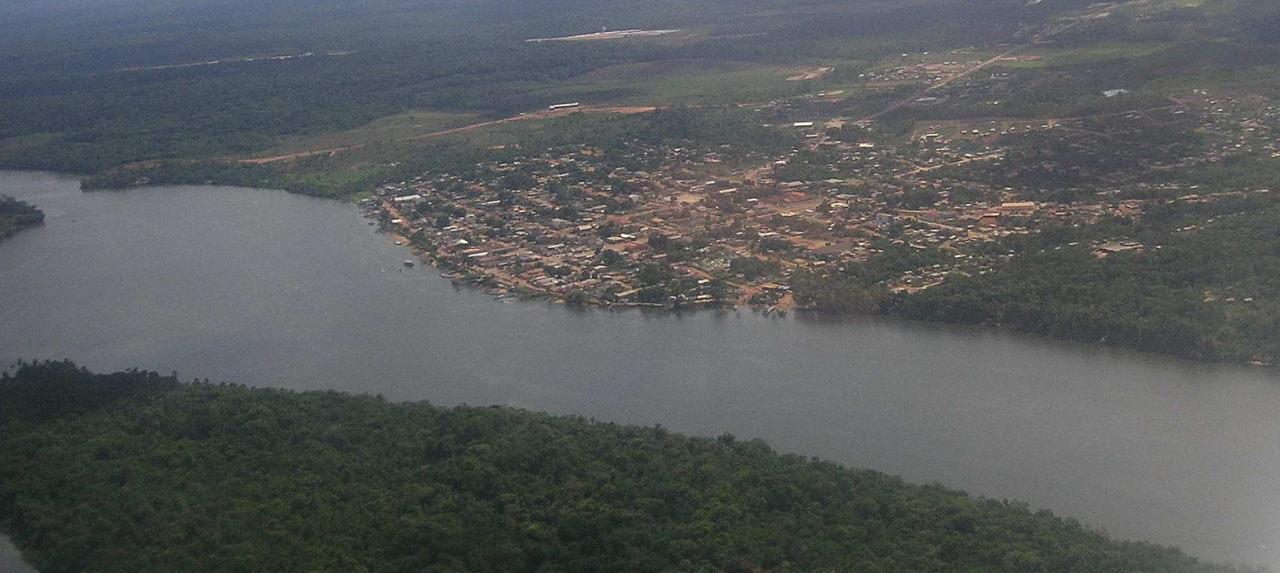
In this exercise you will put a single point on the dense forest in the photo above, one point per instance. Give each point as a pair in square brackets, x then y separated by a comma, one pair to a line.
[16, 215]
[135, 471]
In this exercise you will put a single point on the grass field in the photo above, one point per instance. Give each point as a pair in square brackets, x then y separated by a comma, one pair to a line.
[386, 129]
[1261, 80]
[364, 161]
[665, 69]
[755, 84]
[937, 57]
[25, 141]
[1088, 55]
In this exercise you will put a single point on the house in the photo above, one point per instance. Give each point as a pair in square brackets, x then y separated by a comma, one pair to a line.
[1018, 208]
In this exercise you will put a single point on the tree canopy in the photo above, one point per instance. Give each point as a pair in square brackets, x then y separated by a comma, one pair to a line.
[16, 215]
[134, 471]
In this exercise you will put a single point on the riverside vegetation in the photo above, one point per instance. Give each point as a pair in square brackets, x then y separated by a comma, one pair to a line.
[136, 471]
[16, 215]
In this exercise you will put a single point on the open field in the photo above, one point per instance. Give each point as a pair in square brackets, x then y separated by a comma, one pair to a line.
[1112, 51]
[473, 134]
[514, 130]
[1263, 80]
[665, 69]
[391, 128]
[604, 35]
[755, 84]
[24, 141]
[810, 74]
[936, 57]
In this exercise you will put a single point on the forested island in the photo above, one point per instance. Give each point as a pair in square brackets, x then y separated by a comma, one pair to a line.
[17, 215]
[134, 471]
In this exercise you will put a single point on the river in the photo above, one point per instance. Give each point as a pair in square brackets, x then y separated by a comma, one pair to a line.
[272, 289]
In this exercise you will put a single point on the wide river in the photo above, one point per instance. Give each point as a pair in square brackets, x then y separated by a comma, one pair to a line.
[272, 289]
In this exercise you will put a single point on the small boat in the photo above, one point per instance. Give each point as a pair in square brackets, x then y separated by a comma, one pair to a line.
[408, 263]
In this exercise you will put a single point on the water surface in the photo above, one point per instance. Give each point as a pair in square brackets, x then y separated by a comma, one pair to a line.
[272, 289]
[10, 559]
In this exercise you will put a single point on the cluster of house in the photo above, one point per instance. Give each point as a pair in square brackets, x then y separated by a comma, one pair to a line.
[920, 68]
[674, 226]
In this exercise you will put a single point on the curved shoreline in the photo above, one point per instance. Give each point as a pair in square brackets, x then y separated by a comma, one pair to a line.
[485, 282]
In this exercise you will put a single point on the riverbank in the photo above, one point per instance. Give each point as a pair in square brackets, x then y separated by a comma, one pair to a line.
[457, 265]
[236, 284]
[509, 273]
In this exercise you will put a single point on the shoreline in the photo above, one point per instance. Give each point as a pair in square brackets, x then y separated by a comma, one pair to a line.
[491, 285]
[424, 254]
[504, 286]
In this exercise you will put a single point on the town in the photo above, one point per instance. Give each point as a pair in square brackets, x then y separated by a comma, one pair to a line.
[685, 226]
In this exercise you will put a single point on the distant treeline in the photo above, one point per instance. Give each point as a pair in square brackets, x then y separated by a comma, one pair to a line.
[135, 471]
